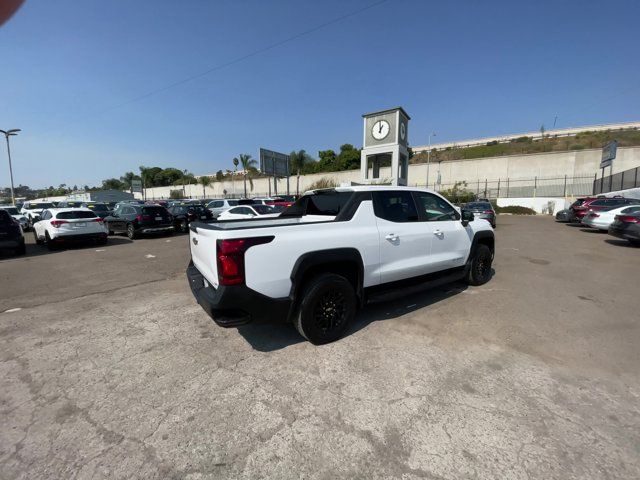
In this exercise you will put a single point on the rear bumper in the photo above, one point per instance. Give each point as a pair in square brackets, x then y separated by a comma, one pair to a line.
[233, 306]
[81, 237]
[628, 233]
[163, 229]
[11, 244]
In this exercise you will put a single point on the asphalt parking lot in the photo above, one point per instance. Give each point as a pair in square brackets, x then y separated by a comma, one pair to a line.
[109, 369]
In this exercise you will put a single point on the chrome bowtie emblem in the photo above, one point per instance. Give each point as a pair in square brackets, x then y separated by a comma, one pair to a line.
[195, 241]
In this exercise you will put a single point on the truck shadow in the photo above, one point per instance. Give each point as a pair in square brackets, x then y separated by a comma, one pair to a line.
[271, 337]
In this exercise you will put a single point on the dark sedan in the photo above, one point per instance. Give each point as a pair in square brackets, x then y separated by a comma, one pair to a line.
[135, 220]
[183, 215]
[11, 237]
[482, 210]
[627, 227]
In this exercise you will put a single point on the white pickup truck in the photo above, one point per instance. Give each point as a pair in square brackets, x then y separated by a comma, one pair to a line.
[330, 253]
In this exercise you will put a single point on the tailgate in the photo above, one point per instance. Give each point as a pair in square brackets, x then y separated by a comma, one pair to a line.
[202, 243]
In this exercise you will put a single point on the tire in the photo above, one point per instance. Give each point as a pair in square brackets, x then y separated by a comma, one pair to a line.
[327, 307]
[634, 243]
[47, 240]
[480, 271]
[131, 232]
[103, 241]
[37, 239]
[184, 226]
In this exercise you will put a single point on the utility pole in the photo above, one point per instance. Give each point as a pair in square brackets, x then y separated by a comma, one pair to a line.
[7, 134]
[429, 158]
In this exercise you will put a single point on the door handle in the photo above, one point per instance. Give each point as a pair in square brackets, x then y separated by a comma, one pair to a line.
[439, 233]
[392, 237]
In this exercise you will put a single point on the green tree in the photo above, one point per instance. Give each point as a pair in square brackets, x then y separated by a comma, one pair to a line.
[112, 184]
[127, 179]
[204, 181]
[248, 167]
[327, 161]
[349, 157]
[297, 162]
[219, 176]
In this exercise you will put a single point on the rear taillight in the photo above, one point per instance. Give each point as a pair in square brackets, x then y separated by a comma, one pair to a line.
[628, 219]
[594, 215]
[488, 211]
[57, 223]
[230, 258]
[143, 218]
[99, 220]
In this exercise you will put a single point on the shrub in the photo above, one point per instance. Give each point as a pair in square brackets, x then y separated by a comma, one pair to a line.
[176, 194]
[516, 210]
[324, 182]
[576, 146]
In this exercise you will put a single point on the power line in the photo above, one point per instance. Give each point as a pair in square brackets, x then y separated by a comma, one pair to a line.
[244, 57]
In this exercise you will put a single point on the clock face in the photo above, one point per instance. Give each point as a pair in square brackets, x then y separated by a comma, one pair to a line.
[403, 131]
[380, 129]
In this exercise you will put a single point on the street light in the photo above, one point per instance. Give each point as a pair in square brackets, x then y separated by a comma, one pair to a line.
[7, 134]
[429, 157]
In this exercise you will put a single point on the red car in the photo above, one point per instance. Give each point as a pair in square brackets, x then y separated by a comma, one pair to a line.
[599, 203]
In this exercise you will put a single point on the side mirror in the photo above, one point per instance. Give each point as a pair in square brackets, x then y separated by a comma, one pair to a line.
[467, 216]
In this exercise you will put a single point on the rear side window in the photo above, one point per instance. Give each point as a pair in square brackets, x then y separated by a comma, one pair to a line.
[216, 204]
[75, 215]
[232, 203]
[631, 209]
[598, 203]
[395, 206]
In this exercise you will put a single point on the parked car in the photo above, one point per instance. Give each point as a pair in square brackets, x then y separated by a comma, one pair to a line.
[359, 243]
[603, 219]
[216, 207]
[250, 211]
[563, 215]
[100, 209]
[11, 236]
[183, 215]
[284, 202]
[32, 210]
[58, 226]
[482, 210]
[16, 215]
[628, 227]
[135, 220]
[599, 203]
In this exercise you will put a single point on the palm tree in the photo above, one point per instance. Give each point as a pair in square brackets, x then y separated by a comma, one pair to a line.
[298, 159]
[249, 166]
[204, 181]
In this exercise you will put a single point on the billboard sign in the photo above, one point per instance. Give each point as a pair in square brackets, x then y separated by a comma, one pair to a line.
[274, 164]
[136, 186]
[608, 154]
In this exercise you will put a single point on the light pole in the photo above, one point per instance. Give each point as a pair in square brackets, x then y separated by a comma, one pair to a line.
[429, 157]
[7, 134]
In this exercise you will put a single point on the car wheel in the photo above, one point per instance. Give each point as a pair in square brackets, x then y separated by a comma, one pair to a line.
[480, 271]
[327, 307]
[103, 241]
[635, 243]
[131, 232]
[184, 226]
[37, 239]
[48, 241]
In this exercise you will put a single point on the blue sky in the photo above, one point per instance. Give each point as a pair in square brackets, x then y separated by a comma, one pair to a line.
[69, 71]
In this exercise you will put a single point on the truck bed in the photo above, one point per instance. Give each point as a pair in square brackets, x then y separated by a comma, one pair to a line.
[262, 223]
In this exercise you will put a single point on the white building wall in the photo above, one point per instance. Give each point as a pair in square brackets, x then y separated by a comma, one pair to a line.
[541, 165]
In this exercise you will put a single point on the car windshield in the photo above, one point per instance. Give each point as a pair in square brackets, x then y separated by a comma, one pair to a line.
[75, 215]
[478, 205]
[11, 211]
[38, 206]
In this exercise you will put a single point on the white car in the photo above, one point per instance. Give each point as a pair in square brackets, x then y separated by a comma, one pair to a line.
[33, 209]
[15, 213]
[244, 212]
[603, 219]
[59, 226]
[218, 206]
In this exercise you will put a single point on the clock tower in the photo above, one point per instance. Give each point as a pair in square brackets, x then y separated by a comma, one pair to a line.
[385, 144]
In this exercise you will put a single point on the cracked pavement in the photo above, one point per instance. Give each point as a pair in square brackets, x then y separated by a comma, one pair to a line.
[111, 370]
